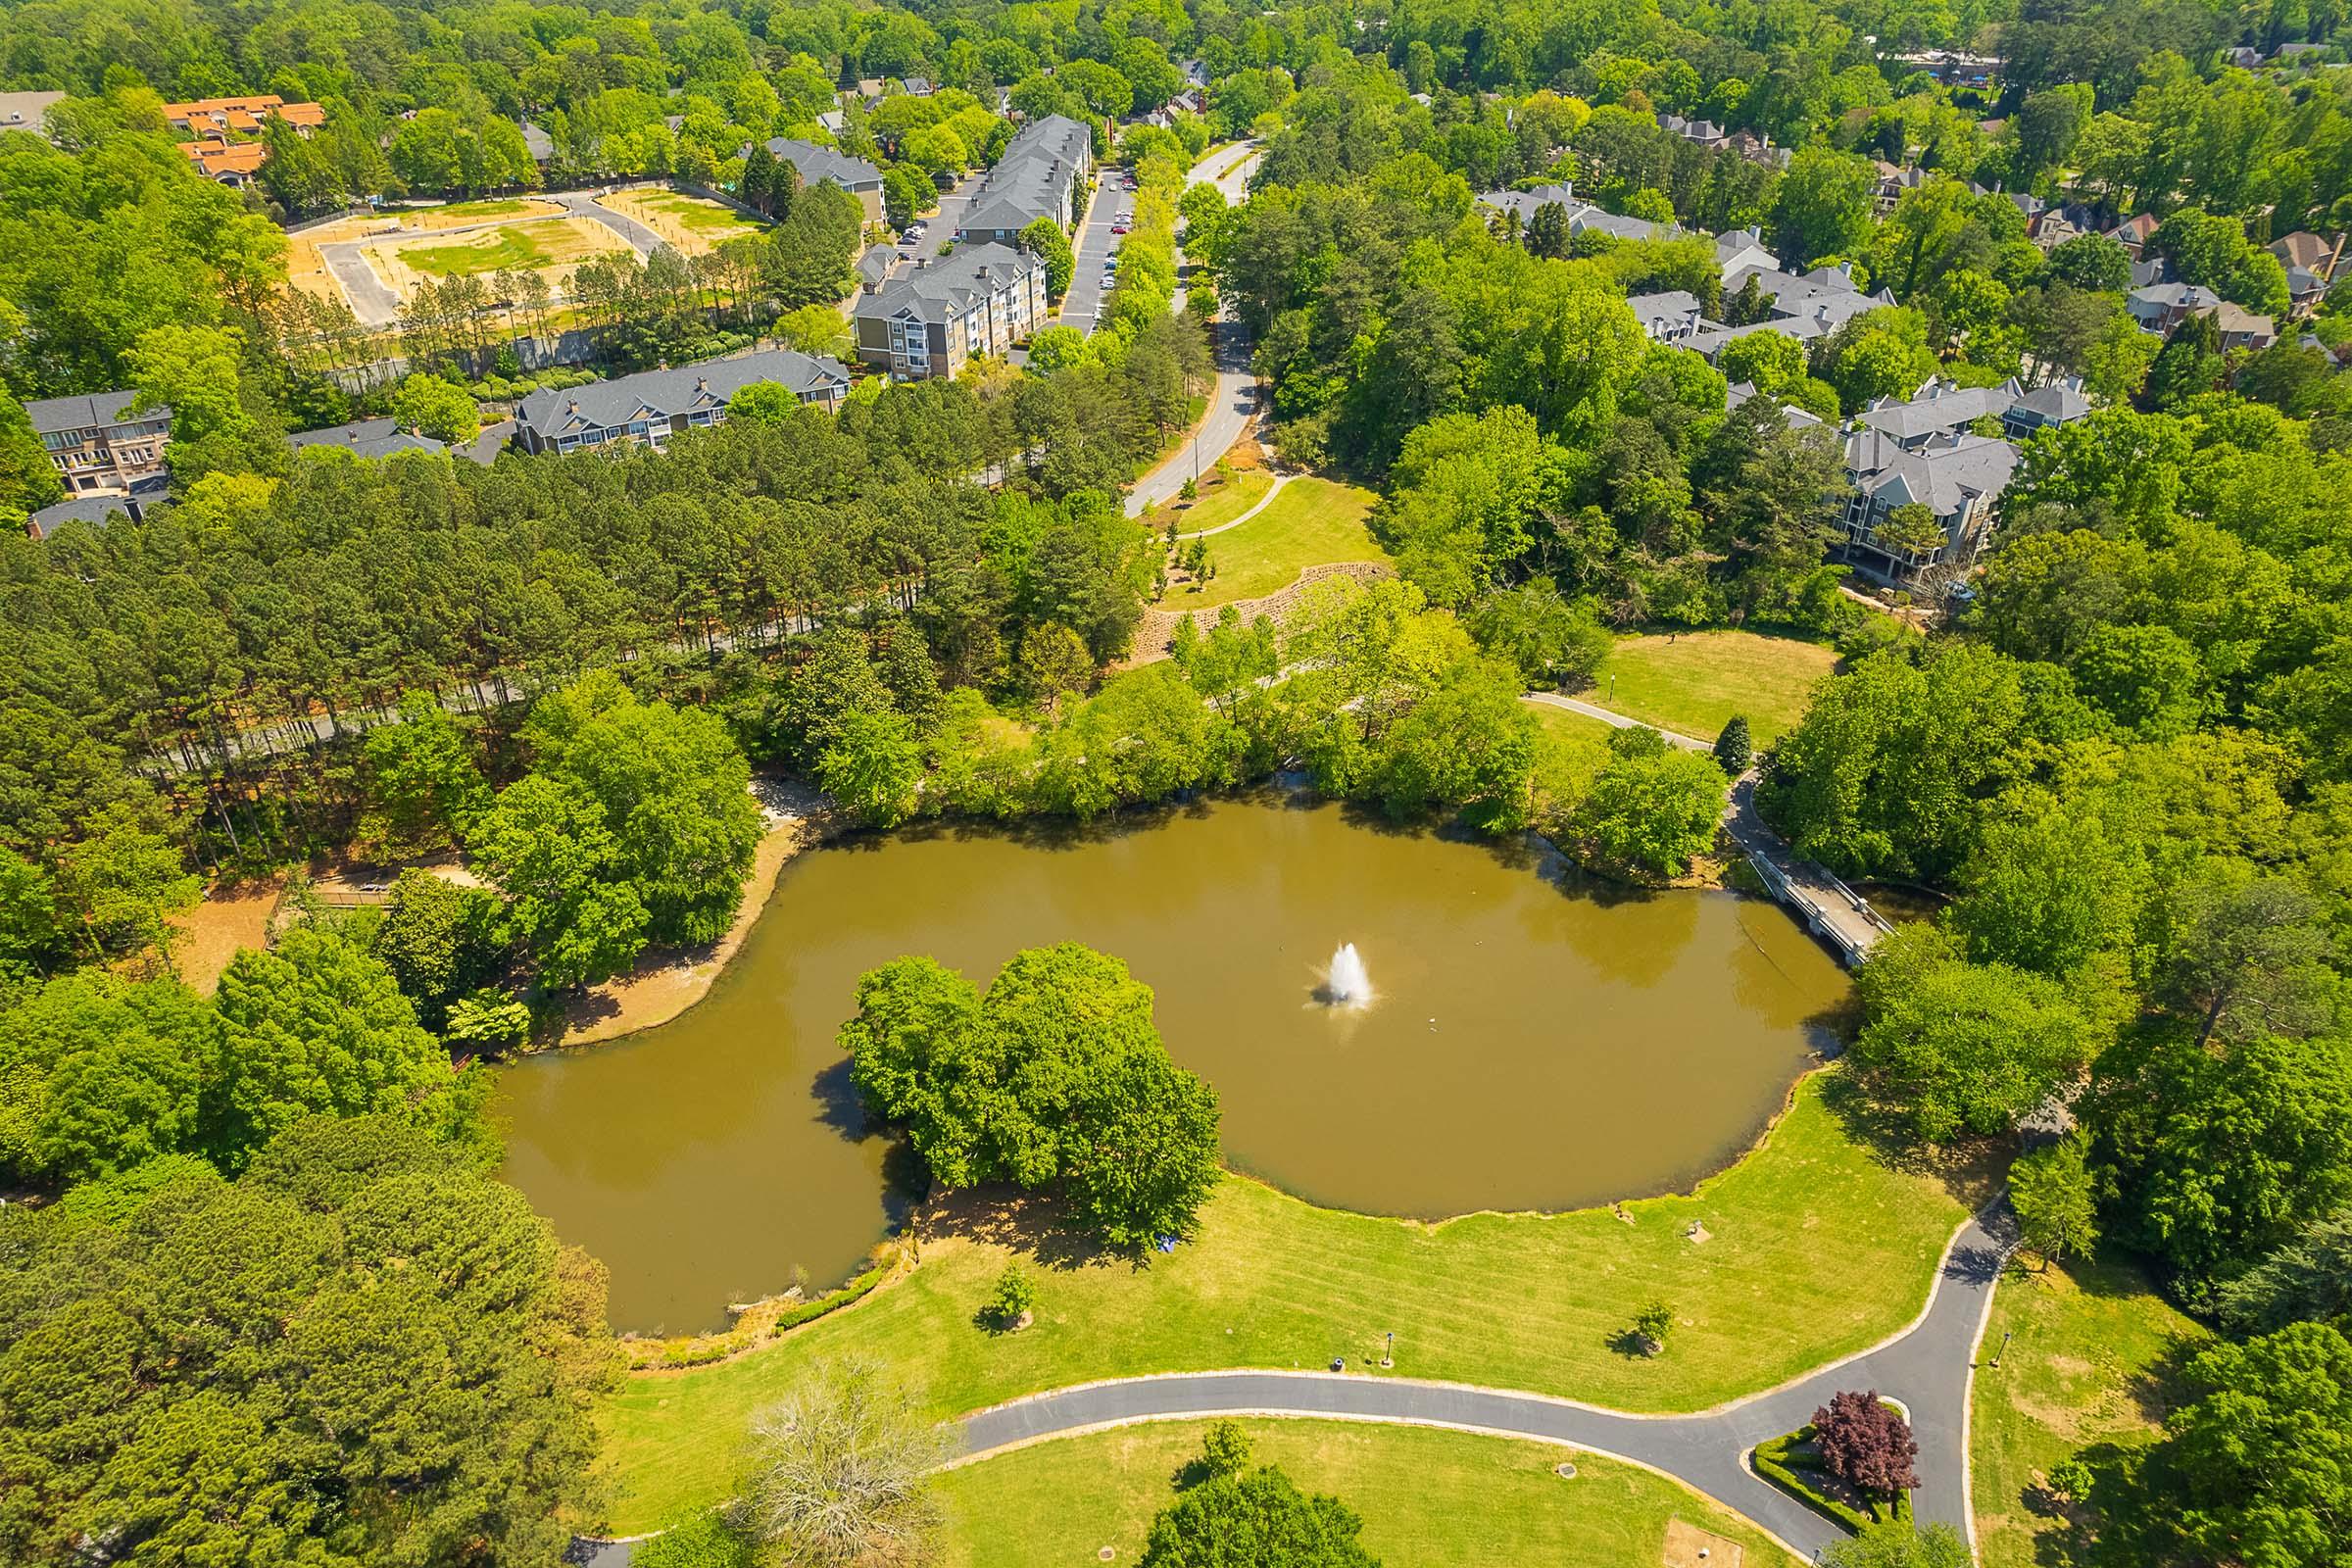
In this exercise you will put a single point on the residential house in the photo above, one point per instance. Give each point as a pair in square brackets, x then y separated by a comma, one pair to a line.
[2242, 330]
[381, 438]
[1894, 182]
[536, 142]
[1758, 149]
[651, 407]
[2293, 54]
[874, 267]
[1583, 216]
[241, 117]
[916, 86]
[1940, 407]
[817, 164]
[834, 122]
[2308, 251]
[28, 110]
[2160, 307]
[1672, 316]
[1804, 305]
[2134, 233]
[1700, 132]
[2047, 407]
[1795, 417]
[1959, 479]
[1042, 174]
[99, 445]
[2243, 58]
[146, 495]
[1742, 250]
[2305, 289]
[937, 316]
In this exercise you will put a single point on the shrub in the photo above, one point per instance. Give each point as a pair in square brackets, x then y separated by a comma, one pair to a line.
[1014, 1296]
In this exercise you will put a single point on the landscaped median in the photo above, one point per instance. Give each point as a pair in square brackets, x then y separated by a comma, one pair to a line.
[1812, 1250]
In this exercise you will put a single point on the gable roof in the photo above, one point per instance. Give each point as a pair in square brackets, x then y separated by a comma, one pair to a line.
[368, 438]
[88, 411]
[665, 394]
[1031, 179]
[1942, 476]
[1939, 406]
[817, 164]
[939, 290]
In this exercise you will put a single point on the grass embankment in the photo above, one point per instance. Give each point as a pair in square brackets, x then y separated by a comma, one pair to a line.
[1313, 523]
[1817, 1249]
[1694, 681]
[487, 206]
[1431, 1498]
[1568, 726]
[1221, 501]
[2088, 1368]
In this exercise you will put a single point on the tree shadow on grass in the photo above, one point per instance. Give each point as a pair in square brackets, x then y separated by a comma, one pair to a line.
[1036, 1225]
[1970, 1171]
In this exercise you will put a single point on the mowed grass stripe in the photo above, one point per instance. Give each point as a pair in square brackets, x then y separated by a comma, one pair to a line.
[1817, 1249]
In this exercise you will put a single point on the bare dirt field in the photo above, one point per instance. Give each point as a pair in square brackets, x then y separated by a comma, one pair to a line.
[307, 270]
[230, 917]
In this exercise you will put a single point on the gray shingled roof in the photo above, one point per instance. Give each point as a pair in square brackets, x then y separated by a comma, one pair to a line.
[78, 508]
[938, 290]
[2056, 403]
[1673, 307]
[663, 393]
[88, 411]
[1032, 180]
[1943, 474]
[1795, 417]
[368, 438]
[817, 164]
[1939, 406]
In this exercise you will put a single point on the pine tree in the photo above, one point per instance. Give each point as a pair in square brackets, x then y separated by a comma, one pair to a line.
[757, 184]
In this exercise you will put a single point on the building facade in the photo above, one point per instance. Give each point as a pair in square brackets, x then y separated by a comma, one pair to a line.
[100, 447]
[1042, 174]
[936, 317]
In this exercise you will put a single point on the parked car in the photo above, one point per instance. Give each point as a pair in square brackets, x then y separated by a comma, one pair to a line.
[1118, 228]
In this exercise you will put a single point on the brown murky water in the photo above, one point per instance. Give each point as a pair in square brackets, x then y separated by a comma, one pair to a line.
[1536, 1042]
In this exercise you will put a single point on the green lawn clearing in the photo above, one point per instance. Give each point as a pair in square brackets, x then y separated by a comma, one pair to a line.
[1313, 523]
[1694, 681]
[1816, 1249]
[2085, 1369]
[1429, 1498]
[487, 206]
[525, 246]
[1571, 725]
[1221, 501]
[697, 213]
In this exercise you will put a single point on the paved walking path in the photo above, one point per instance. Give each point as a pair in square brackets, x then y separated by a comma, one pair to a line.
[1835, 913]
[1928, 1368]
[1264, 502]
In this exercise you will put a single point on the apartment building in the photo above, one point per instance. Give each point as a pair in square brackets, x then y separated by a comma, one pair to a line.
[100, 447]
[937, 316]
[651, 407]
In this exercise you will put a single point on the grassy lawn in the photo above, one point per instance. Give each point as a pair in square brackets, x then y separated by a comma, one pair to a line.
[1695, 681]
[2085, 1370]
[1566, 726]
[1429, 1498]
[1313, 522]
[487, 206]
[1219, 503]
[523, 246]
[1818, 1249]
[697, 213]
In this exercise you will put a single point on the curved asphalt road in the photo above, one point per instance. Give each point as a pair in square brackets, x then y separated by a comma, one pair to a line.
[1928, 1368]
[1233, 401]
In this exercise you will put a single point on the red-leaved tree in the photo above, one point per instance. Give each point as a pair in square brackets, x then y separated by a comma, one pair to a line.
[1866, 1444]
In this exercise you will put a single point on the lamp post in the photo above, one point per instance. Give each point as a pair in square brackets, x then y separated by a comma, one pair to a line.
[2006, 1336]
[1389, 1356]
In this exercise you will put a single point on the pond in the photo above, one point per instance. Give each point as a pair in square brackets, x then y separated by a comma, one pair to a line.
[1535, 1040]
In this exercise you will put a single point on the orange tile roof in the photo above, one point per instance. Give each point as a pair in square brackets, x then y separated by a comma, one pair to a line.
[302, 114]
[215, 106]
[218, 158]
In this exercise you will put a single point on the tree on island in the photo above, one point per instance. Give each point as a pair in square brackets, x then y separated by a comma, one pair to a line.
[1866, 1443]
[1898, 1545]
[1057, 1073]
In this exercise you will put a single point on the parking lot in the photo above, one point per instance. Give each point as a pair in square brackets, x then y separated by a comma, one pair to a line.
[1096, 247]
